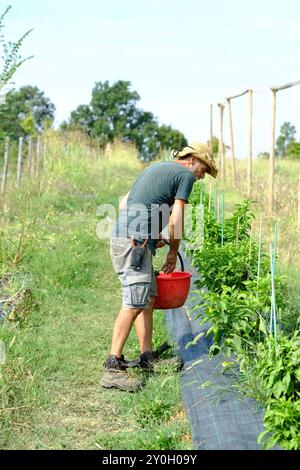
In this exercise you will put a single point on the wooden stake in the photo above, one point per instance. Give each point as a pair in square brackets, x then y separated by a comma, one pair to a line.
[5, 167]
[219, 157]
[20, 157]
[233, 170]
[38, 157]
[221, 147]
[272, 153]
[249, 173]
[233, 165]
[29, 157]
[211, 129]
[299, 204]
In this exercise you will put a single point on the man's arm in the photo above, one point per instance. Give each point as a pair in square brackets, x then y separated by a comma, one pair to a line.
[176, 226]
[123, 201]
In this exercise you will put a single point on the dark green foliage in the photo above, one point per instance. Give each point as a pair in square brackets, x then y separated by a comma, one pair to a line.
[238, 226]
[26, 111]
[281, 423]
[279, 366]
[170, 138]
[237, 306]
[279, 370]
[293, 150]
[287, 135]
[113, 113]
[228, 265]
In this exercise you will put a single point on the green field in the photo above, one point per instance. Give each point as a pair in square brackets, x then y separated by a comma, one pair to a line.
[65, 296]
[59, 337]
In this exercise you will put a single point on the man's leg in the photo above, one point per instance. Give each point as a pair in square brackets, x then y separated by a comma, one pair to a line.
[144, 326]
[115, 376]
[123, 325]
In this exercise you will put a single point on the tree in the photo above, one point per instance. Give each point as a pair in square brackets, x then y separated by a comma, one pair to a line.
[287, 135]
[293, 150]
[83, 117]
[170, 138]
[263, 156]
[113, 113]
[25, 111]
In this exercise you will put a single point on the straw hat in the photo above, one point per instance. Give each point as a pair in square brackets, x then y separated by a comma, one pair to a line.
[201, 152]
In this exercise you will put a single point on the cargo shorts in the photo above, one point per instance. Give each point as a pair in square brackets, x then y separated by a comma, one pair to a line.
[137, 286]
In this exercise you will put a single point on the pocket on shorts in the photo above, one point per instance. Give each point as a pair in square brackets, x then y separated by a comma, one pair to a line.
[118, 246]
[119, 250]
[135, 295]
[140, 294]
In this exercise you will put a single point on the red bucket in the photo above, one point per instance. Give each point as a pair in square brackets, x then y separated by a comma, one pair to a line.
[172, 289]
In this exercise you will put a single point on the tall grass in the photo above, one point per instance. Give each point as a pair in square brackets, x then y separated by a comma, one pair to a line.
[57, 340]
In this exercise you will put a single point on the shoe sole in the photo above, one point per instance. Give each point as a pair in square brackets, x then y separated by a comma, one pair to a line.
[105, 384]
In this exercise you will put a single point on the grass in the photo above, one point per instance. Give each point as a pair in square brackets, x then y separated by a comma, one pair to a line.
[49, 385]
[50, 396]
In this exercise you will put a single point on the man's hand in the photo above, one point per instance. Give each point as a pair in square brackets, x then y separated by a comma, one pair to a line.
[170, 263]
[160, 243]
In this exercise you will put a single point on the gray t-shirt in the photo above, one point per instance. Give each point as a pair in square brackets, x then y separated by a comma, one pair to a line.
[151, 199]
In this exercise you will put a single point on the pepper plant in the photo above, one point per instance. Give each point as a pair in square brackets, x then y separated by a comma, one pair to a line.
[237, 306]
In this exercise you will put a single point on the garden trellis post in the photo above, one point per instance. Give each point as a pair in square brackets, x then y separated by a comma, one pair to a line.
[211, 129]
[29, 157]
[5, 167]
[299, 205]
[231, 145]
[233, 166]
[38, 157]
[274, 90]
[250, 156]
[221, 145]
[272, 152]
[20, 157]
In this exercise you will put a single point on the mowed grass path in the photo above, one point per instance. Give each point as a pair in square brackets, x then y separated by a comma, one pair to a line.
[49, 385]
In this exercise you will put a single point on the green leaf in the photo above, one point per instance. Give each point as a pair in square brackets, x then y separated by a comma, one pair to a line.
[263, 326]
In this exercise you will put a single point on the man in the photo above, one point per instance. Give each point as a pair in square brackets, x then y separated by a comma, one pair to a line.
[157, 199]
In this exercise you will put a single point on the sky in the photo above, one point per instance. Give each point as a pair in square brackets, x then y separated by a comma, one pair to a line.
[181, 56]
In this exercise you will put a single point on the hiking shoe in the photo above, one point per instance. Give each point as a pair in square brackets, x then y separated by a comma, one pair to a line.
[148, 359]
[114, 362]
[114, 378]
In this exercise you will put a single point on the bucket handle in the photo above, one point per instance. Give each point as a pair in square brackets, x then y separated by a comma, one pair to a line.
[178, 254]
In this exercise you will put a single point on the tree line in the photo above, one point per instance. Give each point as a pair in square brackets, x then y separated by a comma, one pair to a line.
[286, 144]
[112, 113]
